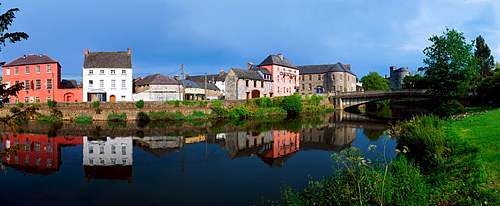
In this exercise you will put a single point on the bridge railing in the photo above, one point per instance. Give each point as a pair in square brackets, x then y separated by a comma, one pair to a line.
[380, 92]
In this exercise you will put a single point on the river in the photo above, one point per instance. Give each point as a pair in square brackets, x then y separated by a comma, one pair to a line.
[239, 162]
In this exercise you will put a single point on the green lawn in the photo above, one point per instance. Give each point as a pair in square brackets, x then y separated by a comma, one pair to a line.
[483, 130]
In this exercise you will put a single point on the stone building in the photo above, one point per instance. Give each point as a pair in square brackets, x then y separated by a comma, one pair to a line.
[248, 84]
[326, 78]
[397, 76]
[217, 79]
[157, 88]
[284, 75]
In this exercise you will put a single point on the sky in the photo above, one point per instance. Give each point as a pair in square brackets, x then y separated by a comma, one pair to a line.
[210, 36]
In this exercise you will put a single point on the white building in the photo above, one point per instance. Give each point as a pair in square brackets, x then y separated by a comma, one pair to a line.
[107, 76]
[158, 88]
[113, 151]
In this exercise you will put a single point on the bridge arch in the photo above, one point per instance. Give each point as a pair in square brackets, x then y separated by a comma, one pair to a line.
[347, 99]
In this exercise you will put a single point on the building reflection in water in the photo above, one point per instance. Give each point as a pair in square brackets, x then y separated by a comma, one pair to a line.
[281, 148]
[41, 155]
[159, 145]
[108, 159]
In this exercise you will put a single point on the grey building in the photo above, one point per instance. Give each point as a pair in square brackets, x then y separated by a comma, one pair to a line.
[397, 76]
[248, 84]
[326, 78]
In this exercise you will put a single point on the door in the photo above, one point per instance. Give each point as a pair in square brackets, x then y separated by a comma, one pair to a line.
[112, 98]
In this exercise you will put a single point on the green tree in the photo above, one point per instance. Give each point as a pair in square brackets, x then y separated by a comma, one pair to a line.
[451, 68]
[374, 81]
[486, 62]
[416, 81]
[489, 89]
[451, 65]
[6, 20]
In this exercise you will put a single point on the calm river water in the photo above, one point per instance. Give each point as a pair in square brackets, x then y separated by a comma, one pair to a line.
[238, 162]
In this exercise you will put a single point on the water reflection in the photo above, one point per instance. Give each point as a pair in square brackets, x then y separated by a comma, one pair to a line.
[186, 155]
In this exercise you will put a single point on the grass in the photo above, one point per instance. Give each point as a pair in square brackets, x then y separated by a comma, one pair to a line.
[483, 130]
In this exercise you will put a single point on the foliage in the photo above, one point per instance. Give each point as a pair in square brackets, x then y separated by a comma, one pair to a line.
[95, 104]
[83, 119]
[98, 111]
[292, 104]
[188, 102]
[139, 104]
[7, 19]
[203, 103]
[446, 108]
[196, 115]
[261, 102]
[20, 104]
[51, 103]
[415, 82]
[314, 100]
[486, 62]
[55, 116]
[451, 65]
[241, 111]
[374, 81]
[216, 103]
[489, 89]
[115, 117]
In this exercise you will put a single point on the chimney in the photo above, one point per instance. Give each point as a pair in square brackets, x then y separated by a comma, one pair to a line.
[280, 55]
[129, 51]
[86, 51]
[176, 77]
[249, 65]
[348, 66]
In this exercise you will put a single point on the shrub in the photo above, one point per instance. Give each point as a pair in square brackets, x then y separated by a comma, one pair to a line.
[203, 103]
[164, 115]
[241, 111]
[261, 102]
[222, 112]
[197, 115]
[188, 102]
[20, 104]
[216, 103]
[173, 102]
[95, 104]
[52, 103]
[446, 108]
[292, 104]
[143, 117]
[83, 119]
[98, 111]
[115, 117]
[139, 104]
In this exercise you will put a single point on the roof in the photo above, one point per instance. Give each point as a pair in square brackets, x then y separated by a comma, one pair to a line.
[324, 68]
[157, 79]
[107, 60]
[189, 84]
[263, 70]
[69, 84]
[201, 78]
[31, 59]
[210, 86]
[277, 60]
[247, 74]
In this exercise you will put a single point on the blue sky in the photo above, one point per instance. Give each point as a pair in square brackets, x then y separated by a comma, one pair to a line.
[210, 36]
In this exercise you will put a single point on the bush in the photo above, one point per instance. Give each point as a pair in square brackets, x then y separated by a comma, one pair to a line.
[241, 111]
[139, 104]
[176, 103]
[197, 115]
[83, 119]
[203, 103]
[20, 104]
[52, 103]
[261, 102]
[222, 112]
[98, 111]
[115, 117]
[446, 108]
[165, 116]
[95, 104]
[216, 103]
[188, 102]
[292, 104]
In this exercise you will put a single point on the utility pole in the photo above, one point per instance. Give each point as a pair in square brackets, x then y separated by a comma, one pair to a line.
[183, 83]
[206, 86]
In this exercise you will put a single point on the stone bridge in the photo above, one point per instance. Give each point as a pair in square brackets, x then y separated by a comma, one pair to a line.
[343, 100]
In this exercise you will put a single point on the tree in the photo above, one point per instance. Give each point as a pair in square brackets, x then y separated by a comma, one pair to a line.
[6, 20]
[451, 67]
[416, 81]
[486, 62]
[489, 89]
[374, 81]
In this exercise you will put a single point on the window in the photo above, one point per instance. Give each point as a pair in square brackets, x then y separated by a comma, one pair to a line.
[124, 71]
[16, 82]
[7, 84]
[27, 147]
[49, 98]
[113, 149]
[91, 72]
[262, 84]
[124, 83]
[49, 163]
[37, 69]
[25, 99]
[38, 160]
[113, 72]
[26, 84]
[49, 147]
[101, 149]
[101, 72]
[37, 99]
[49, 83]
[37, 146]
[49, 68]
[91, 149]
[254, 83]
[16, 70]
[7, 71]
[91, 83]
[124, 149]
[27, 160]
[310, 87]
[279, 90]
[341, 77]
[310, 77]
[27, 70]
[101, 83]
[278, 78]
[246, 83]
[113, 83]
[123, 97]
[319, 77]
[38, 84]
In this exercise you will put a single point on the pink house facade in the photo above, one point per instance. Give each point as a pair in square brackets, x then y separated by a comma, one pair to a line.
[285, 75]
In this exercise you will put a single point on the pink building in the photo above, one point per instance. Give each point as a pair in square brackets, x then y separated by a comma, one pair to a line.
[285, 75]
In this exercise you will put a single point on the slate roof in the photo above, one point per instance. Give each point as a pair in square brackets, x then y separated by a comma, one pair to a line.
[107, 60]
[201, 78]
[277, 60]
[247, 74]
[69, 84]
[263, 70]
[190, 84]
[324, 68]
[31, 59]
[210, 86]
[157, 79]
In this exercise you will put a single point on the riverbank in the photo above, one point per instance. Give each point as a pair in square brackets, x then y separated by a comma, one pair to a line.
[482, 129]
